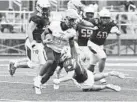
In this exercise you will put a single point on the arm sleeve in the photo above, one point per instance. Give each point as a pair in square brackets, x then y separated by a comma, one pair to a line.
[115, 30]
[35, 19]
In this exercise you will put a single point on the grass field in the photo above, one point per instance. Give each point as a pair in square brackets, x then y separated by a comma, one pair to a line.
[19, 88]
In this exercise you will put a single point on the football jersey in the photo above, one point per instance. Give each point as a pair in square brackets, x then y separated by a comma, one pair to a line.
[83, 34]
[41, 24]
[100, 35]
[60, 36]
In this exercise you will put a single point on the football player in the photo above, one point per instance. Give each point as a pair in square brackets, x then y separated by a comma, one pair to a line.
[85, 30]
[76, 5]
[85, 79]
[57, 36]
[34, 48]
[96, 41]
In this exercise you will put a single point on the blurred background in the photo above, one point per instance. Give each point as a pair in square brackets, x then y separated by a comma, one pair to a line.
[14, 16]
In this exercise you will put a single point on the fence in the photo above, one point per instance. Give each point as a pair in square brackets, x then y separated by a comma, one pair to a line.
[12, 43]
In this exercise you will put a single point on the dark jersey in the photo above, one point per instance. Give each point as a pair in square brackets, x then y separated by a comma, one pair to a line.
[99, 36]
[41, 24]
[80, 73]
[83, 34]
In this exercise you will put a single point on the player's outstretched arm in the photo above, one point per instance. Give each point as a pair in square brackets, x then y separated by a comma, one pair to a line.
[31, 28]
[68, 77]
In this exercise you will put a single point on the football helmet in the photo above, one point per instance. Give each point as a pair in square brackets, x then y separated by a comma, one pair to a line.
[75, 4]
[88, 13]
[105, 16]
[43, 7]
[71, 17]
[104, 13]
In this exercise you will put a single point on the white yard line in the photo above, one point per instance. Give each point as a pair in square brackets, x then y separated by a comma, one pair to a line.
[121, 64]
[107, 64]
[9, 100]
[121, 59]
[129, 89]
[109, 59]
[125, 70]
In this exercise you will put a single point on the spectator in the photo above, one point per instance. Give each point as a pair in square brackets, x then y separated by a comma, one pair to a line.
[0, 19]
[128, 5]
[122, 19]
[9, 18]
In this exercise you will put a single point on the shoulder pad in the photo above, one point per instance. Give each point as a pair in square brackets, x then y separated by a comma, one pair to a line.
[36, 19]
[112, 23]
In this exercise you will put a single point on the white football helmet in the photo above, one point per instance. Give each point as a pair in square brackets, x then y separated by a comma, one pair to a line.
[71, 17]
[105, 13]
[105, 16]
[71, 14]
[75, 4]
[88, 12]
[42, 6]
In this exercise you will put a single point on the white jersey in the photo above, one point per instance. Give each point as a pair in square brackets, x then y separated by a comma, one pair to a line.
[60, 37]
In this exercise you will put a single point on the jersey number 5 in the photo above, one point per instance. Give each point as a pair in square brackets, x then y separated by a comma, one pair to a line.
[86, 33]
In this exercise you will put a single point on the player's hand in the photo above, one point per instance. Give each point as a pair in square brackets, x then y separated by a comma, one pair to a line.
[33, 43]
[56, 81]
[76, 83]
[82, 57]
[48, 39]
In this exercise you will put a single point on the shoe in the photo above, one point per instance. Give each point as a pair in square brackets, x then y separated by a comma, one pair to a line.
[117, 74]
[114, 87]
[56, 84]
[43, 86]
[103, 81]
[12, 68]
[37, 85]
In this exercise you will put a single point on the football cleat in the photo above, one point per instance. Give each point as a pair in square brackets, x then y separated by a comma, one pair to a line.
[37, 85]
[114, 87]
[56, 86]
[12, 68]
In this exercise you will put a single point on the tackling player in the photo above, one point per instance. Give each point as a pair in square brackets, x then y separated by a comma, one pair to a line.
[34, 48]
[55, 38]
[84, 30]
[98, 38]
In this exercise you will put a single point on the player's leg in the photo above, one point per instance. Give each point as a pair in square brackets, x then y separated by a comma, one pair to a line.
[21, 63]
[49, 73]
[52, 68]
[99, 76]
[13, 65]
[104, 86]
[102, 56]
[59, 69]
[47, 69]
[93, 58]
[89, 84]
[92, 63]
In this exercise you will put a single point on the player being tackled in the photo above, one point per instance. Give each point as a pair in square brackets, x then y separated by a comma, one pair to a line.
[83, 78]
